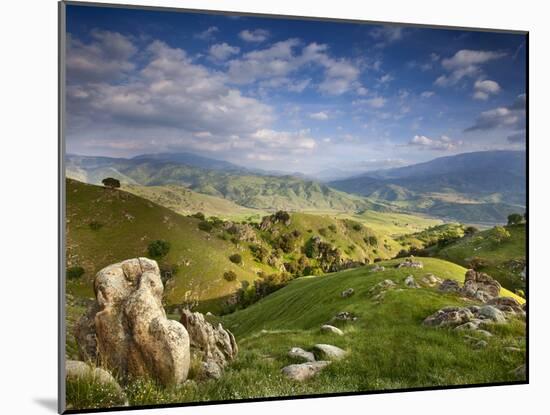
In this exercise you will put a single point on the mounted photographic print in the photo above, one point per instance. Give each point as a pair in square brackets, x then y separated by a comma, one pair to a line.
[259, 207]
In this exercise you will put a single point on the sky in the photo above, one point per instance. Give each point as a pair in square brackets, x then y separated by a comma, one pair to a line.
[286, 94]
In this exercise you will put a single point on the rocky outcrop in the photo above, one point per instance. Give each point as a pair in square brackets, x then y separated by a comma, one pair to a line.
[430, 280]
[303, 371]
[343, 316]
[480, 286]
[78, 371]
[411, 282]
[377, 268]
[216, 345]
[449, 286]
[126, 329]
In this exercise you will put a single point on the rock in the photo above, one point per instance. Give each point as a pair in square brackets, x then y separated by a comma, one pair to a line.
[449, 317]
[470, 325]
[481, 344]
[492, 313]
[410, 263]
[211, 369]
[507, 304]
[327, 328]
[449, 286]
[484, 333]
[133, 337]
[304, 371]
[215, 343]
[431, 280]
[377, 268]
[480, 286]
[512, 349]
[329, 351]
[411, 282]
[300, 354]
[344, 316]
[347, 293]
[75, 370]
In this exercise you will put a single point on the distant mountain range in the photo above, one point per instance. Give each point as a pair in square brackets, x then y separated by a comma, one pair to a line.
[480, 187]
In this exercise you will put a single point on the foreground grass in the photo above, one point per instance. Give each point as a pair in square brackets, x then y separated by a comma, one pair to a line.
[388, 346]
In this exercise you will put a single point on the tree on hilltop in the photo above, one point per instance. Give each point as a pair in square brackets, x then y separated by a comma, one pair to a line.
[111, 183]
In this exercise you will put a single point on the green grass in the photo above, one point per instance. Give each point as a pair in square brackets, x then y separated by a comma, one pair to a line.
[496, 256]
[388, 346]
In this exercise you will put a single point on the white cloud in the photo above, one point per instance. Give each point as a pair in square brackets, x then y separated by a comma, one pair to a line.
[320, 116]
[443, 143]
[465, 63]
[427, 94]
[222, 51]
[387, 34]
[385, 78]
[256, 36]
[483, 89]
[295, 142]
[512, 117]
[376, 102]
[207, 34]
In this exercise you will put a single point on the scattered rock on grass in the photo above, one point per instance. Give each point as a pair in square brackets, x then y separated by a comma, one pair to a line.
[300, 354]
[343, 316]
[327, 328]
[449, 286]
[347, 293]
[411, 263]
[377, 268]
[303, 371]
[431, 280]
[329, 351]
[411, 282]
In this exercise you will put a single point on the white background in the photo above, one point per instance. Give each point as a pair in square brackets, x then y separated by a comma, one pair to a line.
[28, 235]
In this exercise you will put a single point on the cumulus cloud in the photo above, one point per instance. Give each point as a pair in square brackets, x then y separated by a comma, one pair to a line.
[386, 34]
[170, 102]
[255, 36]
[320, 116]
[511, 117]
[105, 57]
[284, 58]
[465, 63]
[207, 34]
[222, 51]
[443, 143]
[483, 89]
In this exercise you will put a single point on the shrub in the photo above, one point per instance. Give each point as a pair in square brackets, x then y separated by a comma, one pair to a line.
[470, 230]
[371, 240]
[259, 252]
[332, 227]
[515, 219]
[199, 215]
[75, 272]
[476, 263]
[111, 183]
[205, 226]
[499, 234]
[323, 232]
[356, 227]
[229, 276]
[282, 216]
[236, 258]
[95, 225]
[158, 248]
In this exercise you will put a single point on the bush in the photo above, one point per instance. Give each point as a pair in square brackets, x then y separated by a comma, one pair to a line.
[111, 183]
[199, 215]
[158, 248]
[236, 258]
[515, 219]
[323, 232]
[470, 230]
[229, 276]
[371, 240]
[205, 226]
[259, 252]
[332, 227]
[476, 263]
[95, 225]
[499, 234]
[74, 273]
[356, 227]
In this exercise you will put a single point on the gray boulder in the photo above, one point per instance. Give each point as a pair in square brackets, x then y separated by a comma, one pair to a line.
[410, 263]
[327, 328]
[347, 293]
[449, 286]
[329, 351]
[480, 286]
[300, 354]
[492, 313]
[303, 371]
[411, 282]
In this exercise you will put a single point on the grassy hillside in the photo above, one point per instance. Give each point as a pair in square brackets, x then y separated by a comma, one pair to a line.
[186, 202]
[388, 347]
[504, 261]
[128, 224]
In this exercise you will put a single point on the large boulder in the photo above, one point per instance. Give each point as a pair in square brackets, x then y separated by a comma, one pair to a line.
[327, 328]
[449, 317]
[304, 371]
[480, 286]
[126, 329]
[300, 354]
[217, 346]
[329, 352]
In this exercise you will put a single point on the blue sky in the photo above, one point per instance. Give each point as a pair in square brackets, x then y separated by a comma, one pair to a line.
[292, 95]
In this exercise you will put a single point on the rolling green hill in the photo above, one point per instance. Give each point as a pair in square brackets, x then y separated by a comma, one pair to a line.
[187, 202]
[388, 347]
[504, 261]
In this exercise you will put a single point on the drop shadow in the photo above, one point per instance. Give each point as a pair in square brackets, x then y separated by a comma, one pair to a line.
[48, 403]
